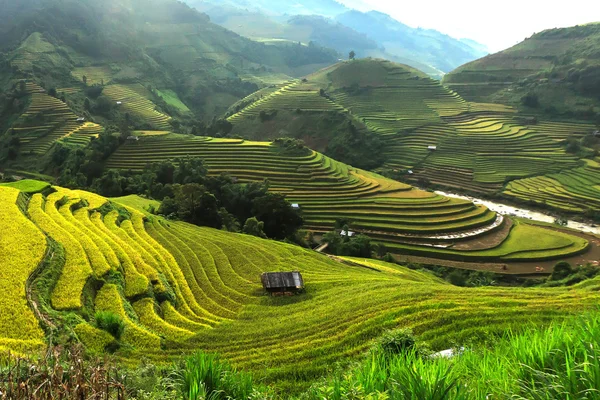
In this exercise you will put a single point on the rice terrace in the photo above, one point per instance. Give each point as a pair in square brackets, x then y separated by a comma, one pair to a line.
[225, 200]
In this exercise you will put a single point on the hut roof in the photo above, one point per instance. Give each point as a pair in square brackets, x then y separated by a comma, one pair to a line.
[282, 280]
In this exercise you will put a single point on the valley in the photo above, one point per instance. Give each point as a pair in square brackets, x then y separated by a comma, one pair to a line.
[156, 161]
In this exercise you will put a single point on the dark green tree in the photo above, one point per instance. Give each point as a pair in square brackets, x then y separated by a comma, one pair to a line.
[254, 227]
[352, 55]
[196, 205]
[281, 220]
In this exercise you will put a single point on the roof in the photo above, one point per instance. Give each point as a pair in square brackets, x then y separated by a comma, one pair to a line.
[432, 147]
[295, 205]
[349, 233]
[282, 280]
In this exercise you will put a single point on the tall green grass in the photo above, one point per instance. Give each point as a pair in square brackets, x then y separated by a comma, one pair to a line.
[206, 377]
[560, 362]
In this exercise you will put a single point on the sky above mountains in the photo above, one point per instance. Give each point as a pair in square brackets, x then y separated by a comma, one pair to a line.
[498, 25]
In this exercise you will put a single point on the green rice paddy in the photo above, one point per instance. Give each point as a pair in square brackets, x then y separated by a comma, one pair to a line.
[185, 288]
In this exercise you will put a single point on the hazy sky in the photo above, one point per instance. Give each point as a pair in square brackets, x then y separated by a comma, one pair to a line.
[497, 24]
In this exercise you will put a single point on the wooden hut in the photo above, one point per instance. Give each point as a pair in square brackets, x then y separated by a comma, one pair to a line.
[283, 282]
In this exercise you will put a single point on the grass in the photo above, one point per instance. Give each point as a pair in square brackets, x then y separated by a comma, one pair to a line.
[171, 98]
[558, 362]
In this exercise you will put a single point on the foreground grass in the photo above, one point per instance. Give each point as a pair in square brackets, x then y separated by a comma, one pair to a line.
[561, 362]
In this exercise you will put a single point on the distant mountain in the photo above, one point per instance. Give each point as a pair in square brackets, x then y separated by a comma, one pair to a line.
[330, 24]
[554, 72]
[328, 8]
[425, 45]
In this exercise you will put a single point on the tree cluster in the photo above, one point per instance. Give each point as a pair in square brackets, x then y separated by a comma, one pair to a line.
[189, 194]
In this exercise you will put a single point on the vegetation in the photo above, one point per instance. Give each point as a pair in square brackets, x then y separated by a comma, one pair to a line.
[171, 287]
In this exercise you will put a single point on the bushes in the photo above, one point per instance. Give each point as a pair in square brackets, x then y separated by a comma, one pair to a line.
[395, 342]
[561, 271]
[111, 323]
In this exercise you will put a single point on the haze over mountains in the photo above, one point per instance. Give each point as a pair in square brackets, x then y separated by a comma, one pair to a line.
[331, 24]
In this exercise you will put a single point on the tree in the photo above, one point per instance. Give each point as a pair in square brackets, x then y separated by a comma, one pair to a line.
[531, 100]
[22, 86]
[86, 104]
[189, 170]
[228, 221]
[110, 184]
[352, 55]
[254, 227]
[52, 92]
[281, 220]
[84, 78]
[561, 271]
[196, 205]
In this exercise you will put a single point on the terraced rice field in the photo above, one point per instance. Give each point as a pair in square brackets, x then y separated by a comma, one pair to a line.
[22, 249]
[327, 190]
[206, 292]
[48, 120]
[575, 190]
[135, 99]
[291, 97]
[433, 135]
[94, 75]
[30, 52]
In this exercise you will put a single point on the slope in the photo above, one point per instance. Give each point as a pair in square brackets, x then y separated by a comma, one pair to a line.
[424, 132]
[163, 44]
[405, 219]
[559, 69]
[179, 288]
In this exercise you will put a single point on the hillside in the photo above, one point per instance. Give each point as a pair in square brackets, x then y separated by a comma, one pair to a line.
[68, 45]
[414, 129]
[371, 34]
[558, 69]
[404, 219]
[179, 288]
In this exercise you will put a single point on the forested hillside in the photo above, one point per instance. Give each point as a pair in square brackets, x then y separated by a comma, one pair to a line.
[164, 45]
[555, 73]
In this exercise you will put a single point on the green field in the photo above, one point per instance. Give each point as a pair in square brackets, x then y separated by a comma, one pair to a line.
[180, 288]
[28, 186]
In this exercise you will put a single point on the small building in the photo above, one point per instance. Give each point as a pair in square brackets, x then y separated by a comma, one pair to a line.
[597, 133]
[349, 233]
[119, 103]
[410, 172]
[295, 206]
[282, 282]
[432, 148]
[133, 138]
[81, 120]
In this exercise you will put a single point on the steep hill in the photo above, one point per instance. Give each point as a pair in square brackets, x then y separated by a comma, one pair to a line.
[412, 128]
[558, 69]
[179, 288]
[163, 44]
